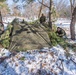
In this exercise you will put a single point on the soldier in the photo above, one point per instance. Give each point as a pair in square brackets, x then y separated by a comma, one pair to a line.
[60, 32]
[42, 19]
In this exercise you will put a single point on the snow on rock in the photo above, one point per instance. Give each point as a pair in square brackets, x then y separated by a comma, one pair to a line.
[46, 61]
[4, 53]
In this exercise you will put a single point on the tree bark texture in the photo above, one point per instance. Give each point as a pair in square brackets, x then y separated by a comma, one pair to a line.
[72, 25]
[50, 22]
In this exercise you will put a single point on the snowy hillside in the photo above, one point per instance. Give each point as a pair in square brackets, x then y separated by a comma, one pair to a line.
[46, 61]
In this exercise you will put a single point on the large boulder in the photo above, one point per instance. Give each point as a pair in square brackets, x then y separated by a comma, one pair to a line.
[26, 36]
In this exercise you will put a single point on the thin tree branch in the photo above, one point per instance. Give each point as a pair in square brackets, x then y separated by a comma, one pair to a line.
[40, 9]
[43, 4]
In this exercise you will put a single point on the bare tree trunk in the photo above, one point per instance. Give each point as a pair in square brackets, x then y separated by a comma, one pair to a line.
[72, 25]
[0, 18]
[1, 24]
[72, 2]
[50, 22]
[40, 9]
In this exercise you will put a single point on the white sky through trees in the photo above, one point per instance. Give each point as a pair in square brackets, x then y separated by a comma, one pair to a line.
[22, 3]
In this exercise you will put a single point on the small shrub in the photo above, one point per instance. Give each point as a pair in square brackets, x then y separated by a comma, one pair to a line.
[22, 58]
[54, 28]
[5, 37]
[55, 40]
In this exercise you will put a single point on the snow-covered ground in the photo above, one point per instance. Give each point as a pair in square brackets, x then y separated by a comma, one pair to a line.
[63, 20]
[47, 61]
